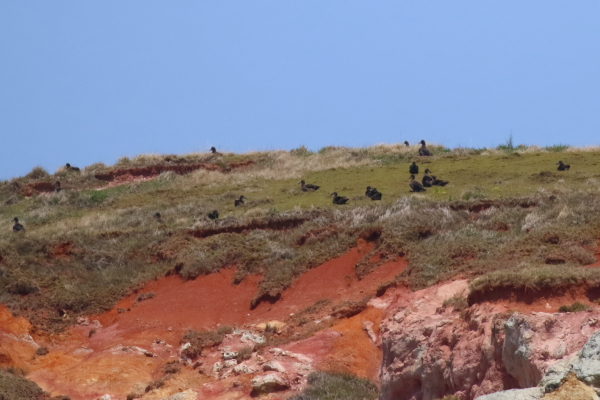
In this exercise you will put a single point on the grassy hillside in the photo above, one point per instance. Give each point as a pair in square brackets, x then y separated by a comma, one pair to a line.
[84, 248]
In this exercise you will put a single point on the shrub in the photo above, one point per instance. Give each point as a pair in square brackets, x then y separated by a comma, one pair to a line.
[458, 303]
[15, 387]
[244, 354]
[172, 367]
[199, 340]
[37, 173]
[334, 386]
[575, 307]
[42, 351]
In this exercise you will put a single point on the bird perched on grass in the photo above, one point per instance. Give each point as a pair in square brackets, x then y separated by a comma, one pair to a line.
[71, 168]
[17, 227]
[424, 151]
[240, 201]
[427, 180]
[434, 180]
[415, 186]
[406, 143]
[213, 215]
[158, 218]
[562, 166]
[214, 151]
[57, 187]
[338, 199]
[308, 187]
[373, 193]
[413, 169]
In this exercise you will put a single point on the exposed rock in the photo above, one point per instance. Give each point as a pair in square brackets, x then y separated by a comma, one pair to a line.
[430, 352]
[186, 395]
[268, 383]
[273, 366]
[243, 369]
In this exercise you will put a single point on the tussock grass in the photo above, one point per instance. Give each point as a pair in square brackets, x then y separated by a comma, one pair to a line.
[334, 386]
[535, 278]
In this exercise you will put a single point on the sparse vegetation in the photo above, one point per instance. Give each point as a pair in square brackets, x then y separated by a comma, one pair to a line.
[334, 386]
[200, 340]
[104, 244]
[244, 354]
[457, 302]
[575, 307]
[13, 386]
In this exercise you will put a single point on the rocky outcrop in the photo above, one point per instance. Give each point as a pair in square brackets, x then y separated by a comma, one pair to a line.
[431, 350]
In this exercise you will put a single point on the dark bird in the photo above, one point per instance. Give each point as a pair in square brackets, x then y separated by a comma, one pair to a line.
[434, 180]
[158, 218]
[17, 227]
[413, 169]
[406, 143]
[70, 168]
[373, 193]
[424, 151]
[562, 166]
[57, 187]
[215, 152]
[338, 199]
[306, 187]
[213, 215]
[427, 179]
[240, 201]
[415, 186]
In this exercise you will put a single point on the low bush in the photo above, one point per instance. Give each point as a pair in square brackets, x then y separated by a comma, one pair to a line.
[575, 307]
[200, 340]
[336, 386]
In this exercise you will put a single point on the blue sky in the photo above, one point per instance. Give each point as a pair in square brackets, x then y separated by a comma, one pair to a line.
[86, 82]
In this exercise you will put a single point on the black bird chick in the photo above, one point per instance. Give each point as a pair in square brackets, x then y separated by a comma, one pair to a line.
[373, 193]
[338, 199]
[213, 215]
[70, 168]
[424, 151]
[562, 166]
[306, 187]
[240, 201]
[435, 181]
[427, 180]
[413, 169]
[17, 227]
[158, 218]
[57, 187]
[415, 186]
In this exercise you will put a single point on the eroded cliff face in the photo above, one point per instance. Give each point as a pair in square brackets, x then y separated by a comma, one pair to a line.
[430, 351]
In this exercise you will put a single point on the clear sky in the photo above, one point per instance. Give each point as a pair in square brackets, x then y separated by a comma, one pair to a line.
[86, 82]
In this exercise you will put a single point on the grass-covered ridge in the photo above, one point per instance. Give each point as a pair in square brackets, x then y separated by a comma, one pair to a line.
[89, 245]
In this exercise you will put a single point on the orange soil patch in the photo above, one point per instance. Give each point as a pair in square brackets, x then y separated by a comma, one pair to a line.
[212, 300]
[38, 187]
[354, 352]
[84, 366]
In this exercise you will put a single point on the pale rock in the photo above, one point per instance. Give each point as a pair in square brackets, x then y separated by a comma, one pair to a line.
[273, 382]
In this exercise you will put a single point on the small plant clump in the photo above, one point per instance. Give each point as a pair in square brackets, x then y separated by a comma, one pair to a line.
[575, 307]
[200, 340]
[335, 386]
[457, 302]
[244, 354]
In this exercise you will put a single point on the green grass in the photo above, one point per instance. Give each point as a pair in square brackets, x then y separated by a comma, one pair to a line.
[116, 245]
[337, 386]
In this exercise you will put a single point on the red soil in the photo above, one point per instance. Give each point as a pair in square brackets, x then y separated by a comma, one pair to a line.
[212, 300]
[38, 187]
